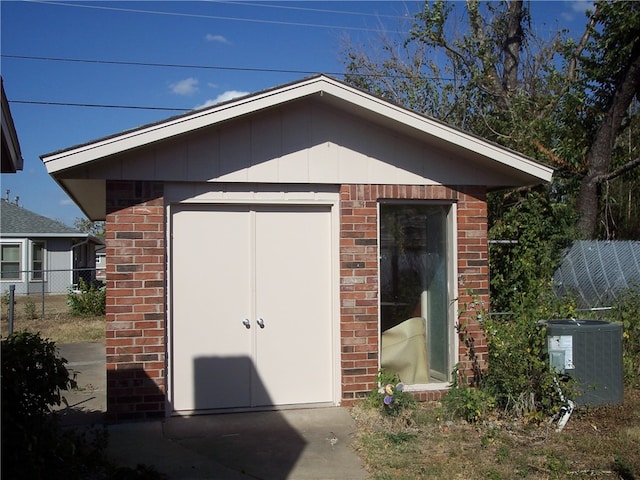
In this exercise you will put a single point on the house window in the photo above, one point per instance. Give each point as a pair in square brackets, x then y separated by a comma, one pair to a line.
[415, 327]
[37, 261]
[10, 261]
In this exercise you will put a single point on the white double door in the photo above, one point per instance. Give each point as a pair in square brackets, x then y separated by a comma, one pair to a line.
[251, 306]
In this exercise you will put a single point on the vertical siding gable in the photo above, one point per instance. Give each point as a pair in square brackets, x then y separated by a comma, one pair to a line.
[302, 142]
[203, 156]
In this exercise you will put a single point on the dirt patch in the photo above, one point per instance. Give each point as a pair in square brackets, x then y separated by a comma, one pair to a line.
[49, 315]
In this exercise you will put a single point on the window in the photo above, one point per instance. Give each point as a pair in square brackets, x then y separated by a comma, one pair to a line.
[415, 329]
[10, 261]
[37, 261]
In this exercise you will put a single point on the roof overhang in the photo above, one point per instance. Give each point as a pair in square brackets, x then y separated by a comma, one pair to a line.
[83, 237]
[11, 155]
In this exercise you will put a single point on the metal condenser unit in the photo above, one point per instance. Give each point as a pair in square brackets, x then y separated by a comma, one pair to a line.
[589, 351]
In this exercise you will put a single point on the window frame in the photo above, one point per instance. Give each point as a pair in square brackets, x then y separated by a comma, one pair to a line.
[19, 271]
[452, 344]
[43, 261]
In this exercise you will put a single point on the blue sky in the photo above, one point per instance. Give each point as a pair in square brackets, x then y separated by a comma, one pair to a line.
[248, 46]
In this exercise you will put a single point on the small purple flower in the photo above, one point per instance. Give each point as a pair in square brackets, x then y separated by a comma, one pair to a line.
[400, 387]
[388, 399]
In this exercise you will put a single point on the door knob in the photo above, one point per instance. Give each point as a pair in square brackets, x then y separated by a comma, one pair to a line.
[246, 323]
[260, 323]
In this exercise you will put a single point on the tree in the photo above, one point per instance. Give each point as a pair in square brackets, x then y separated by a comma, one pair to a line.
[482, 69]
[611, 80]
[87, 226]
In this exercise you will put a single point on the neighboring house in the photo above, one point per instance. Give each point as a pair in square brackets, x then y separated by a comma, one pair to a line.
[101, 263]
[40, 255]
[596, 272]
[277, 249]
[10, 155]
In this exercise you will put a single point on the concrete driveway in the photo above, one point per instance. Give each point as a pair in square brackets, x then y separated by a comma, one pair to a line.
[305, 444]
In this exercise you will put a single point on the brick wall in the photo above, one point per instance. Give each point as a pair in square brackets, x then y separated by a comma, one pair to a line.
[135, 319]
[359, 274]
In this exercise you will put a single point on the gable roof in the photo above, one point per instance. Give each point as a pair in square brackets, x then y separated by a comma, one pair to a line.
[516, 169]
[596, 272]
[18, 222]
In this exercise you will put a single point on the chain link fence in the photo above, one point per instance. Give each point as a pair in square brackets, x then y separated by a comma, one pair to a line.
[31, 294]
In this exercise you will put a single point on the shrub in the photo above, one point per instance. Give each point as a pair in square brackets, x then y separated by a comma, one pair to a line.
[626, 310]
[33, 444]
[91, 300]
[471, 403]
[518, 374]
[33, 377]
[30, 310]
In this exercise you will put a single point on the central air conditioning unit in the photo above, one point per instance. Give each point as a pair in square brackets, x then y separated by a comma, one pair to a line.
[589, 351]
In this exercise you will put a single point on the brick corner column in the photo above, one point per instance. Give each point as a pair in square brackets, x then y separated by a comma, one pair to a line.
[135, 318]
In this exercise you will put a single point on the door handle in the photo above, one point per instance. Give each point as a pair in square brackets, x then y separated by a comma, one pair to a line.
[260, 323]
[246, 323]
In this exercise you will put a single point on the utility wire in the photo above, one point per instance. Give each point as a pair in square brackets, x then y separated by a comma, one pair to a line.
[308, 9]
[213, 17]
[206, 67]
[164, 65]
[98, 105]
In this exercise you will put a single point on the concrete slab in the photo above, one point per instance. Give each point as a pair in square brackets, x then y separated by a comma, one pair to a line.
[87, 404]
[300, 444]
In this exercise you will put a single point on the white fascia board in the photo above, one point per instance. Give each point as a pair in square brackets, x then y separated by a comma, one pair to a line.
[317, 85]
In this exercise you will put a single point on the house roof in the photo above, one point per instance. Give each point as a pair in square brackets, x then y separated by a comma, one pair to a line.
[596, 272]
[18, 222]
[10, 155]
[515, 169]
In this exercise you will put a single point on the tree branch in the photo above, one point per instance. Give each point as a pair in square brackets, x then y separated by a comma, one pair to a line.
[619, 171]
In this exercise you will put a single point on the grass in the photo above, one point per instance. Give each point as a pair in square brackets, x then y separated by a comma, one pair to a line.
[599, 443]
[55, 323]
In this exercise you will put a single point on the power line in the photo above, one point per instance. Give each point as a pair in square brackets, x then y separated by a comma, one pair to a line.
[212, 17]
[98, 105]
[163, 65]
[204, 67]
[307, 9]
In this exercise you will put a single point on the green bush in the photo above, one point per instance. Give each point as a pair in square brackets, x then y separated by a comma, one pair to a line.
[33, 444]
[626, 310]
[518, 374]
[30, 310]
[91, 300]
[471, 403]
[33, 378]
[516, 377]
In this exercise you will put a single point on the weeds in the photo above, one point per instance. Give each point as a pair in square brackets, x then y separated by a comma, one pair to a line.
[90, 301]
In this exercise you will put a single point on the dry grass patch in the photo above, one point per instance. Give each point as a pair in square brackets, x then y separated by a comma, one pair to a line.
[597, 444]
[50, 316]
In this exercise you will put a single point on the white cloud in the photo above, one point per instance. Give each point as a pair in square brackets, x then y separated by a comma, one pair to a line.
[223, 97]
[216, 38]
[577, 7]
[66, 201]
[188, 86]
[582, 6]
